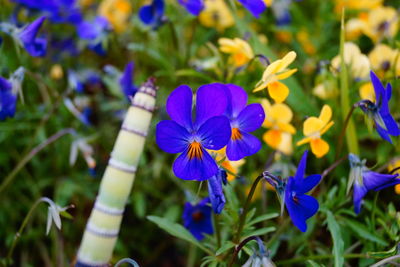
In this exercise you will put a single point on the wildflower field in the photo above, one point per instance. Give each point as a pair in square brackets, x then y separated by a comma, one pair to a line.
[199, 133]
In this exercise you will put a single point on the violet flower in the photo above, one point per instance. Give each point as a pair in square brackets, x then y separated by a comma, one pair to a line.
[197, 218]
[126, 81]
[181, 135]
[216, 192]
[379, 111]
[194, 7]
[364, 180]
[34, 45]
[153, 14]
[244, 119]
[8, 93]
[255, 7]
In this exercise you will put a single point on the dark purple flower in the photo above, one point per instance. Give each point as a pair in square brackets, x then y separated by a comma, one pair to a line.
[194, 7]
[244, 119]
[215, 191]
[379, 111]
[8, 93]
[191, 139]
[94, 32]
[34, 45]
[126, 81]
[153, 14]
[197, 218]
[256, 7]
[300, 206]
[365, 180]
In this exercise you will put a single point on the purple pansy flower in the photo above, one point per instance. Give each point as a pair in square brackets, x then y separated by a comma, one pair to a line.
[94, 32]
[153, 14]
[379, 111]
[194, 7]
[191, 139]
[365, 180]
[256, 7]
[299, 206]
[126, 81]
[281, 11]
[197, 218]
[34, 45]
[8, 93]
[215, 191]
[244, 119]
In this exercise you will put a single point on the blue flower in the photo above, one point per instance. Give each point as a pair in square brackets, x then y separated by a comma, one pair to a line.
[300, 206]
[210, 130]
[194, 7]
[244, 119]
[59, 11]
[126, 81]
[8, 93]
[365, 180]
[153, 14]
[215, 191]
[281, 12]
[256, 7]
[94, 33]
[197, 218]
[379, 111]
[34, 45]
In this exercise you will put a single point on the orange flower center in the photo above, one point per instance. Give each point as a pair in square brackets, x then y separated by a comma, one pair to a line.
[236, 134]
[195, 151]
[240, 59]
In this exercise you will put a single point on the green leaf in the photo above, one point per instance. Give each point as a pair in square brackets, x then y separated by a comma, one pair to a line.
[338, 244]
[261, 231]
[384, 254]
[312, 264]
[226, 246]
[177, 230]
[262, 218]
[364, 233]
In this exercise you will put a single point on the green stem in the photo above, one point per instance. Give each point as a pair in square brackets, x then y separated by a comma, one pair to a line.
[343, 131]
[217, 230]
[22, 227]
[373, 210]
[191, 256]
[351, 135]
[320, 257]
[30, 155]
[242, 219]
[387, 260]
[239, 247]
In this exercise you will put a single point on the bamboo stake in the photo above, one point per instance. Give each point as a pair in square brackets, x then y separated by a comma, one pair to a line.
[103, 226]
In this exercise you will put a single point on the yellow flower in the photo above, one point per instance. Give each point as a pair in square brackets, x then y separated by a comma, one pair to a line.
[325, 90]
[56, 72]
[354, 28]
[357, 4]
[314, 128]
[358, 63]
[395, 164]
[277, 119]
[304, 39]
[382, 59]
[232, 167]
[273, 73]
[240, 50]
[216, 14]
[382, 23]
[117, 12]
[367, 92]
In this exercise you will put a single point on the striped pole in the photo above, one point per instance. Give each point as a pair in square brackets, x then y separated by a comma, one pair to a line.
[103, 226]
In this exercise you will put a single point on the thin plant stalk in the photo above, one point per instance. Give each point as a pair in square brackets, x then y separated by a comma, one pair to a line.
[343, 131]
[239, 247]
[104, 223]
[31, 154]
[351, 135]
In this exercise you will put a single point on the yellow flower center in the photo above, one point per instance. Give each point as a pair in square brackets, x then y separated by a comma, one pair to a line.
[195, 151]
[236, 134]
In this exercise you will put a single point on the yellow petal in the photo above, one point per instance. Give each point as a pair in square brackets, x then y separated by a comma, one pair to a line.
[286, 60]
[326, 128]
[397, 189]
[285, 74]
[278, 91]
[285, 146]
[280, 112]
[303, 141]
[260, 86]
[312, 125]
[273, 138]
[287, 127]
[272, 69]
[319, 147]
[326, 114]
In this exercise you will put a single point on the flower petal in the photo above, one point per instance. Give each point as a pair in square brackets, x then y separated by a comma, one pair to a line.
[179, 106]
[312, 125]
[251, 118]
[146, 14]
[358, 194]
[273, 138]
[300, 209]
[278, 91]
[216, 193]
[211, 100]
[245, 146]
[238, 100]
[378, 87]
[377, 181]
[171, 137]
[308, 183]
[256, 7]
[215, 132]
[195, 168]
[286, 74]
[301, 169]
[319, 147]
[326, 114]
